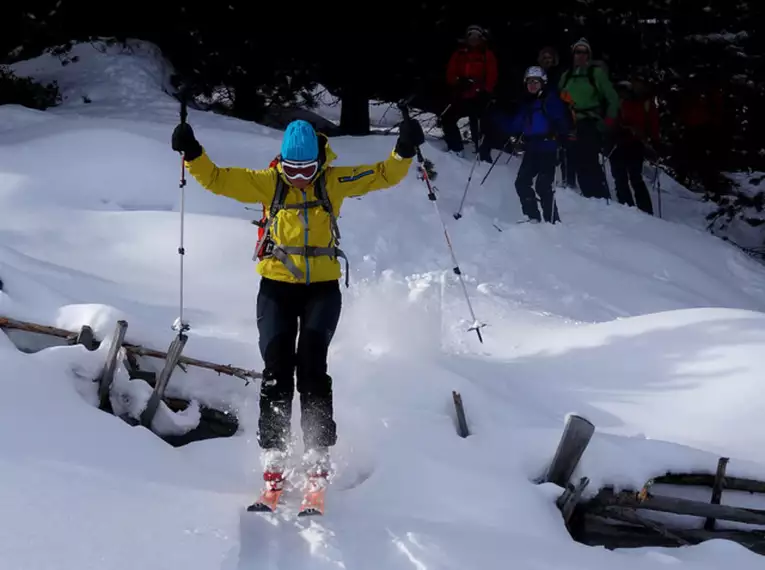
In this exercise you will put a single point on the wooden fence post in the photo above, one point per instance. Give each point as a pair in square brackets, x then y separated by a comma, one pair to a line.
[576, 436]
[106, 377]
[462, 427]
[173, 356]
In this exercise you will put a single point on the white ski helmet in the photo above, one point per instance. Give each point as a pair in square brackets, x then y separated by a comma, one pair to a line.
[535, 72]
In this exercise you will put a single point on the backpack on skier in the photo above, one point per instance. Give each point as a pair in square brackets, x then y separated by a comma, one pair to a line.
[266, 246]
[567, 75]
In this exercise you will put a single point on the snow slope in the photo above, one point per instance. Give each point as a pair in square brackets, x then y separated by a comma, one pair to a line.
[653, 329]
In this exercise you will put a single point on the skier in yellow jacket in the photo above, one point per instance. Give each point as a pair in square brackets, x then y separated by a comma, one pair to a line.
[299, 297]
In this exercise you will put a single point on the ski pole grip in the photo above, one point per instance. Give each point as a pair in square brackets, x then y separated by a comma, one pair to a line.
[184, 112]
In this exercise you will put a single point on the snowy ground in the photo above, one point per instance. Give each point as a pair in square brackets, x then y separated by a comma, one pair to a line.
[653, 329]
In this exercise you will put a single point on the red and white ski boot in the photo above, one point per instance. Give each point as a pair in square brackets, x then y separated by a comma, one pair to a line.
[274, 465]
[317, 469]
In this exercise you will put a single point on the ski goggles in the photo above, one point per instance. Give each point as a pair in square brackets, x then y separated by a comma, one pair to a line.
[304, 170]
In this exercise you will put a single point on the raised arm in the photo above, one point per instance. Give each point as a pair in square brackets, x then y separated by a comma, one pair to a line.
[359, 180]
[242, 184]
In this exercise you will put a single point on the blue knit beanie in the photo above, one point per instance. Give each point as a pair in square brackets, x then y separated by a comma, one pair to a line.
[300, 143]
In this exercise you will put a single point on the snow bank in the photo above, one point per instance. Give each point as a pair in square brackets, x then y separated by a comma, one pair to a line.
[651, 328]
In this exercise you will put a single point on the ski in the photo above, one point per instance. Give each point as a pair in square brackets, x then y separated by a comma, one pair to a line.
[313, 496]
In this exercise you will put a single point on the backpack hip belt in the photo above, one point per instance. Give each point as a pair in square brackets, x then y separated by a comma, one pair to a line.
[283, 252]
[267, 248]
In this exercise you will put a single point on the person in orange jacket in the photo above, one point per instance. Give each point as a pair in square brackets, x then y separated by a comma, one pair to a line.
[636, 134]
[472, 76]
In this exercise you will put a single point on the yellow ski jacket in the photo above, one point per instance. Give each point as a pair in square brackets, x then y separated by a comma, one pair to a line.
[302, 226]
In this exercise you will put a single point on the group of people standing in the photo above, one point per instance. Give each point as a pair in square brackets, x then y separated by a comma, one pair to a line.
[566, 118]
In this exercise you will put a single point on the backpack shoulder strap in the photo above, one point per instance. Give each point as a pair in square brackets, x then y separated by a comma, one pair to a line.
[280, 194]
[591, 77]
[320, 189]
[277, 202]
[567, 76]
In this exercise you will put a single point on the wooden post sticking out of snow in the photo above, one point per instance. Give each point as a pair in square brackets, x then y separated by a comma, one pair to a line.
[462, 427]
[576, 436]
[106, 377]
[717, 490]
[173, 356]
[86, 338]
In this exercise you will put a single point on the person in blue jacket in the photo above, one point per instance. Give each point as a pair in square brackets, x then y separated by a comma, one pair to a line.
[543, 122]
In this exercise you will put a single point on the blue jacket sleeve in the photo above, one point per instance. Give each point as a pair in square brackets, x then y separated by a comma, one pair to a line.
[516, 126]
[504, 123]
[511, 125]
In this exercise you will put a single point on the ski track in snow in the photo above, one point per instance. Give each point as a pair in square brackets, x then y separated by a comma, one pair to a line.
[651, 328]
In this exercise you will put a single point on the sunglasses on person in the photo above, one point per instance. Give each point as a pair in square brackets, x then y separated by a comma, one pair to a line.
[304, 170]
[581, 52]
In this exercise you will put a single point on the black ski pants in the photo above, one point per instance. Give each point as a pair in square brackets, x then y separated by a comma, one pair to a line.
[290, 313]
[539, 164]
[567, 164]
[627, 169]
[585, 156]
[475, 110]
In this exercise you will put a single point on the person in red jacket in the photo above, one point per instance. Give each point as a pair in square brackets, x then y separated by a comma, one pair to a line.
[472, 76]
[637, 133]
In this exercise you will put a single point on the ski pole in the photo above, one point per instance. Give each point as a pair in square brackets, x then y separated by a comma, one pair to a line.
[493, 164]
[476, 326]
[658, 188]
[180, 325]
[458, 213]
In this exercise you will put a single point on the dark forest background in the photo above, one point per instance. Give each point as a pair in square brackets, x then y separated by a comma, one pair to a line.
[262, 55]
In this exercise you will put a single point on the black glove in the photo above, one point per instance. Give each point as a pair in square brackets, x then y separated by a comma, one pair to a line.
[185, 142]
[410, 136]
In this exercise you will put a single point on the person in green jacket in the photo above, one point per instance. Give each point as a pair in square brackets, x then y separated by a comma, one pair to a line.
[595, 103]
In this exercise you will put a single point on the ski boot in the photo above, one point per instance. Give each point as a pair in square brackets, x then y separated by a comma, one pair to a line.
[317, 468]
[274, 464]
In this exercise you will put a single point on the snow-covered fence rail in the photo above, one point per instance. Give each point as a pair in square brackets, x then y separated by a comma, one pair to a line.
[212, 422]
[138, 350]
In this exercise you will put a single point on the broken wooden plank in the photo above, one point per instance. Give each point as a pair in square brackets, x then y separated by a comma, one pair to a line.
[138, 350]
[173, 355]
[717, 490]
[576, 436]
[674, 505]
[106, 377]
[630, 516]
[462, 427]
[708, 480]
[570, 498]
[600, 530]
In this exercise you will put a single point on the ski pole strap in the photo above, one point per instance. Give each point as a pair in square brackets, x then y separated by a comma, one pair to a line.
[283, 252]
